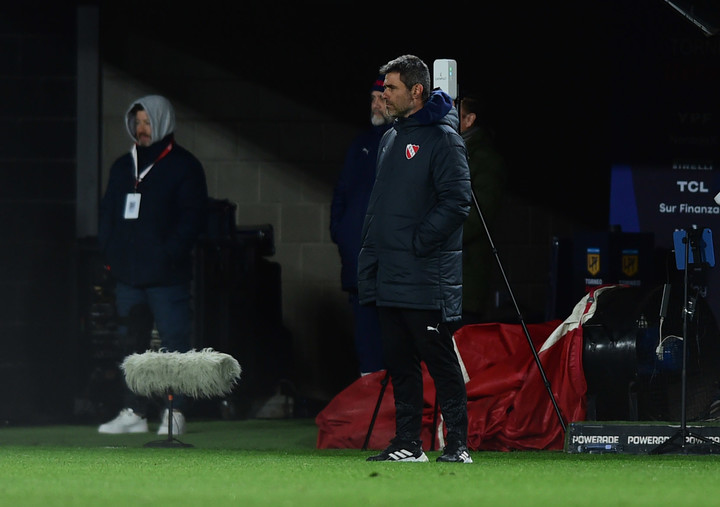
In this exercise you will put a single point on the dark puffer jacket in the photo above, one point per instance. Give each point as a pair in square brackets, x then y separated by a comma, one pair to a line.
[155, 248]
[411, 255]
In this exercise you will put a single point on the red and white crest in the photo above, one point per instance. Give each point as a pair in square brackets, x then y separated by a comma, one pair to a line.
[411, 150]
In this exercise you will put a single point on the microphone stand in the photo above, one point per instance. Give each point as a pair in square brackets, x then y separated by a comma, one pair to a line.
[520, 317]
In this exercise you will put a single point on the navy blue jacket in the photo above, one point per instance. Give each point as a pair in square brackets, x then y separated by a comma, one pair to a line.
[350, 201]
[411, 254]
[156, 248]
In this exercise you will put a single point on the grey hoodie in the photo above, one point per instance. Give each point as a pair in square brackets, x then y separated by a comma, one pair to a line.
[160, 112]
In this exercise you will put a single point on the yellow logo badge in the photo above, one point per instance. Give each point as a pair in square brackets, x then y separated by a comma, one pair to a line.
[630, 260]
[593, 261]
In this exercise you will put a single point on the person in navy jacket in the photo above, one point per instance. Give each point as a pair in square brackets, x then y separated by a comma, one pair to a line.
[152, 213]
[347, 212]
[410, 263]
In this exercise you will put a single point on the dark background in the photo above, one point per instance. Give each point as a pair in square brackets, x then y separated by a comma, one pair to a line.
[573, 89]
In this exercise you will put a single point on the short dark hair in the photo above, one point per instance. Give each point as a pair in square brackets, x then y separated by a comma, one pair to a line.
[412, 71]
[472, 103]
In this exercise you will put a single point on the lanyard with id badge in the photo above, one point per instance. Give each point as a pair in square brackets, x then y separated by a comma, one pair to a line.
[132, 200]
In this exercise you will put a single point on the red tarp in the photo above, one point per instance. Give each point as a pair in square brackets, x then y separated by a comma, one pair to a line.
[509, 406]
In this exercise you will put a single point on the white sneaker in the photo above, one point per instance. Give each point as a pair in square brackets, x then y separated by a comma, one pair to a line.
[178, 423]
[127, 421]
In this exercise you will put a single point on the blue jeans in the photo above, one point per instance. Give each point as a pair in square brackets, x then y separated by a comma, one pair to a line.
[171, 313]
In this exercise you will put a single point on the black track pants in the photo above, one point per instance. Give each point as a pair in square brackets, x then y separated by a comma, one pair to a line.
[412, 336]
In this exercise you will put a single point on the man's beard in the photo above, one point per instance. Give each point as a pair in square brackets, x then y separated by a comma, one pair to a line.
[378, 119]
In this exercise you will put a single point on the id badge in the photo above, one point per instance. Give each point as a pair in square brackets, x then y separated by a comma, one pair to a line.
[132, 206]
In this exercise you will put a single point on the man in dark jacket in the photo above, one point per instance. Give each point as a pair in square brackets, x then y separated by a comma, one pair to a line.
[410, 264]
[347, 212]
[151, 215]
[488, 179]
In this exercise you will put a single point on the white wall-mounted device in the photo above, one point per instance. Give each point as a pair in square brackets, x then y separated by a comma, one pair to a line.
[445, 76]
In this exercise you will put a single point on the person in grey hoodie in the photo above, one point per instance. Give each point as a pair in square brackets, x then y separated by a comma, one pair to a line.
[152, 213]
[410, 263]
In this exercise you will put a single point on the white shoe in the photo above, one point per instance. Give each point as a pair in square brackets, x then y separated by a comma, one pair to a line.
[178, 423]
[127, 421]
